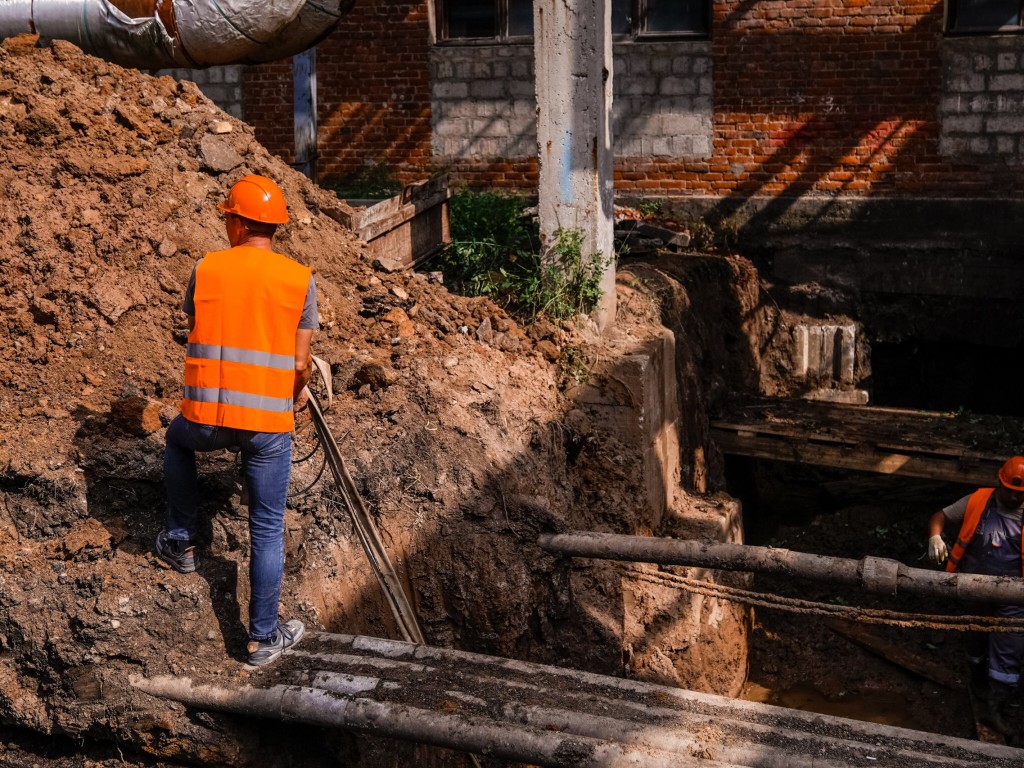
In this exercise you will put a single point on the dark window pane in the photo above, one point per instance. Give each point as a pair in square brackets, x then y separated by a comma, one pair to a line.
[986, 14]
[472, 18]
[676, 16]
[520, 17]
[622, 10]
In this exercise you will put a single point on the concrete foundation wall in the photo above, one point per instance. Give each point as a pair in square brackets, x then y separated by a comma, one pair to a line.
[669, 635]
[934, 270]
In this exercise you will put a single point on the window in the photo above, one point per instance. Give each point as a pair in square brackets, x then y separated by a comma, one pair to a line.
[647, 18]
[484, 19]
[489, 20]
[985, 16]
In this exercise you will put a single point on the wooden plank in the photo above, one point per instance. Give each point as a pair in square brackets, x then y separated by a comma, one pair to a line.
[863, 458]
[979, 434]
[936, 446]
[374, 221]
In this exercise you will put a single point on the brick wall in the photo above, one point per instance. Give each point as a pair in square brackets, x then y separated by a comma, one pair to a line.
[269, 105]
[822, 97]
[790, 97]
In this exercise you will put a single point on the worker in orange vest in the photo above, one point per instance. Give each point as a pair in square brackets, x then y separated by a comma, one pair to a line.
[990, 542]
[251, 316]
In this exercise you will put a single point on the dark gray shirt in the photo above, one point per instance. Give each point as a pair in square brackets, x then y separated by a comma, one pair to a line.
[995, 546]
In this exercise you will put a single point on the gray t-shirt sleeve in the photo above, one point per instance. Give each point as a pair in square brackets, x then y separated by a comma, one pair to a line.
[189, 304]
[955, 512]
[310, 320]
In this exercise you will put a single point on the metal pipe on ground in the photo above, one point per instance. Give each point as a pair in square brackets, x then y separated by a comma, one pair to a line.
[319, 707]
[875, 574]
[546, 715]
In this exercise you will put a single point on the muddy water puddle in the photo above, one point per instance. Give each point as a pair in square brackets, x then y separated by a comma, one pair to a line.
[883, 707]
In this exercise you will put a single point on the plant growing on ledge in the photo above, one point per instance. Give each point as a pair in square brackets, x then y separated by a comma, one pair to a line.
[374, 182]
[495, 252]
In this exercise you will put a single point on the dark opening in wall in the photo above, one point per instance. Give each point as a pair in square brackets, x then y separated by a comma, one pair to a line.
[946, 376]
[780, 498]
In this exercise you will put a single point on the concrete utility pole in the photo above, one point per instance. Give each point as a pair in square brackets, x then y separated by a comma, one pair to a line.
[573, 61]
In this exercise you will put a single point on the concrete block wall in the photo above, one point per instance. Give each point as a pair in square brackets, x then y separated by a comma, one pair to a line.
[222, 85]
[483, 102]
[485, 105]
[663, 100]
[981, 113]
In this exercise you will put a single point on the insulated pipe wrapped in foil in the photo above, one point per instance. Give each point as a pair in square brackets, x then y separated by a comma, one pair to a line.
[315, 21]
[231, 31]
[100, 28]
[157, 34]
[15, 18]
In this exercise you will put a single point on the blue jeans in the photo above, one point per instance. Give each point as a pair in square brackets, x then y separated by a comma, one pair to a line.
[266, 464]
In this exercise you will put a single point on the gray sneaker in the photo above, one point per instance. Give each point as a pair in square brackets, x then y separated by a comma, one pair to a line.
[265, 651]
[180, 555]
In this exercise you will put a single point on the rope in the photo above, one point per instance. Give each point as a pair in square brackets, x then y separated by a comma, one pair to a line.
[845, 612]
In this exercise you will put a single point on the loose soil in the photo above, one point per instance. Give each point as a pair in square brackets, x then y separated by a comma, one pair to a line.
[459, 425]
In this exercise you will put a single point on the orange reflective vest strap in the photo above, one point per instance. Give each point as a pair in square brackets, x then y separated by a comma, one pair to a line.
[975, 508]
[240, 362]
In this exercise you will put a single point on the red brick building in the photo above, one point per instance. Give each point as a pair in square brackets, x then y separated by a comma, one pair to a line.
[772, 97]
[874, 146]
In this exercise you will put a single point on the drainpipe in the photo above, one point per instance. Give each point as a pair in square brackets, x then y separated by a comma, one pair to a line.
[159, 34]
[304, 112]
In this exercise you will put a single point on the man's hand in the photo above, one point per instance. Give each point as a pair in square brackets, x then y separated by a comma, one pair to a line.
[301, 399]
[937, 551]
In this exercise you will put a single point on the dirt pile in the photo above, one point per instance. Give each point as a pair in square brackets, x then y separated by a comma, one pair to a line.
[453, 418]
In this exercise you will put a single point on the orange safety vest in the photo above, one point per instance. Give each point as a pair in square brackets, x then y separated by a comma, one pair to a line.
[975, 508]
[240, 363]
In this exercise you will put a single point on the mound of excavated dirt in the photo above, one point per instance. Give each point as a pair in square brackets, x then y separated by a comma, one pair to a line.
[450, 416]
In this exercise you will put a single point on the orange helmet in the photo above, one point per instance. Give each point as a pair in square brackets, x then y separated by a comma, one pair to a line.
[257, 198]
[1011, 474]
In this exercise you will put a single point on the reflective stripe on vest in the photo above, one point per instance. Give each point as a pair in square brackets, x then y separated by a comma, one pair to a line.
[975, 508]
[236, 355]
[243, 399]
[240, 360]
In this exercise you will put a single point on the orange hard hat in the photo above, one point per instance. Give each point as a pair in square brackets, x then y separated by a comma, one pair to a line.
[257, 198]
[1011, 474]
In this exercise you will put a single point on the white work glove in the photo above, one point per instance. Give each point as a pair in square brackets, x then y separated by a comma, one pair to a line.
[937, 550]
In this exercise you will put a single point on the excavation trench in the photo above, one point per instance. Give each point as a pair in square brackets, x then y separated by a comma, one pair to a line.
[467, 435]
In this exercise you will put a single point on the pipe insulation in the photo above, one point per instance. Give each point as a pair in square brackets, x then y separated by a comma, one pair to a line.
[159, 34]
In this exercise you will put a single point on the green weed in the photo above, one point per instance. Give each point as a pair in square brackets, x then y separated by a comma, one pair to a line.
[375, 182]
[495, 252]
